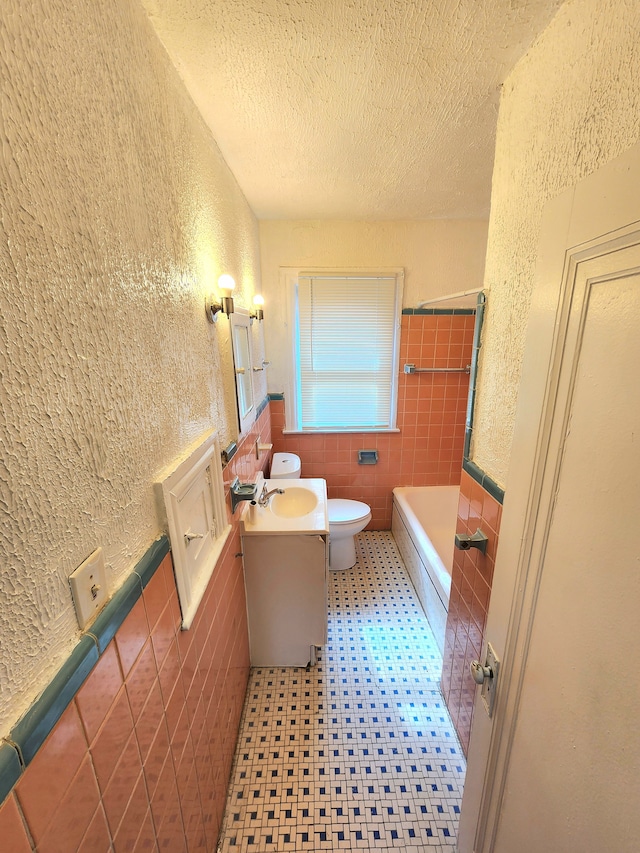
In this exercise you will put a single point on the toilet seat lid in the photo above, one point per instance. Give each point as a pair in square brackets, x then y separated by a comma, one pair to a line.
[343, 511]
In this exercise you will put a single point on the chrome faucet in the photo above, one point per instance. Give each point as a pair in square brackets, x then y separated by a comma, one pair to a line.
[263, 500]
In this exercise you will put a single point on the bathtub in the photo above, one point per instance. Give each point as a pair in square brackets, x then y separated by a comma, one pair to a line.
[424, 525]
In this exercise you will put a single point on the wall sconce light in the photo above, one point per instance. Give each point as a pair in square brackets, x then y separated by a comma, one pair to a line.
[257, 313]
[213, 308]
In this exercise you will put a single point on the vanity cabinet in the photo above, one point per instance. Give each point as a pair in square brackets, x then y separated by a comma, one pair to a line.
[286, 586]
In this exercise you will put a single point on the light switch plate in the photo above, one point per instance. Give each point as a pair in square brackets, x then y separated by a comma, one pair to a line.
[89, 587]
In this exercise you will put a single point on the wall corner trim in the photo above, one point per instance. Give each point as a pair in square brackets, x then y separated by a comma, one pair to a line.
[10, 768]
[476, 473]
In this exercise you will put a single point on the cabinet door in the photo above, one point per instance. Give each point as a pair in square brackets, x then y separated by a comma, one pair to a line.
[286, 583]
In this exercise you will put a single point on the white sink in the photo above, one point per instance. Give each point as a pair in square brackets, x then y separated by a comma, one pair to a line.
[293, 502]
[302, 508]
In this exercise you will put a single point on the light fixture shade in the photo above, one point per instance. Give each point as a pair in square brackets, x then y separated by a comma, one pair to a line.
[258, 301]
[226, 283]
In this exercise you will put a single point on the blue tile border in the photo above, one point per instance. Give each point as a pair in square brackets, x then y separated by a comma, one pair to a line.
[31, 731]
[263, 405]
[32, 728]
[279, 395]
[489, 485]
[10, 769]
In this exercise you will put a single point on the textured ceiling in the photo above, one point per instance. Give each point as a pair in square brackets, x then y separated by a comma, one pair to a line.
[352, 109]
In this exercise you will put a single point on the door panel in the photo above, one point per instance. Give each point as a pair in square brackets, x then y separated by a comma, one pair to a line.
[556, 767]
[572, 782]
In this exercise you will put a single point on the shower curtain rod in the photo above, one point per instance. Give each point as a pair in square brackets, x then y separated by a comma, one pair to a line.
[458, 295]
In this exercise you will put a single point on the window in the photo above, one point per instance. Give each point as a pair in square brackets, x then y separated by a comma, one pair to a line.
[345, 352]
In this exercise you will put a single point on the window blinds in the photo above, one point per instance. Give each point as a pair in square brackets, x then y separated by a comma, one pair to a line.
[346, 344]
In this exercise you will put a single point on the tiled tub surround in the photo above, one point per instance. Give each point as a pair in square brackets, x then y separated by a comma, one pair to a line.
[471, 580]
[140, 754]
[358, 753]
[431, 420]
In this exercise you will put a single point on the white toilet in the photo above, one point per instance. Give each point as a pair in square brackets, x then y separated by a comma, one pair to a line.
[346, 518]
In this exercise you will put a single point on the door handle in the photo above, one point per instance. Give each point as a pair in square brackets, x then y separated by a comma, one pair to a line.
[188, 536]
[487, 676]
[480, 672]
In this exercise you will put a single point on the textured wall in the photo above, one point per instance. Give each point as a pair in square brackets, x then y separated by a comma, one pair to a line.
[439, 257]
[570, 105]
[117, 213]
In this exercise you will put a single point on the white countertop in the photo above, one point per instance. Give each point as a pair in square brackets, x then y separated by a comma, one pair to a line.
[266, 522]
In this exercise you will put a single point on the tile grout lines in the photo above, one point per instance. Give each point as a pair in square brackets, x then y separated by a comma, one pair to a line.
[360, 752]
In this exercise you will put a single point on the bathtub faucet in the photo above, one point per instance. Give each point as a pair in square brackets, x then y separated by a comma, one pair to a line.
[479, 540]
[263, 500]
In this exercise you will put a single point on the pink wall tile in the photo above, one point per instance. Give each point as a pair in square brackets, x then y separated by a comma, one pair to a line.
[170, 675]
[165, 805]
[46, 780]
[156, 753]
[140, 679]
[136, 830]
[12, 830]
[163, 636]
[191, 807]
[471, 579]
[132, 636]
[74, 813]
[117, 795]
[99, 691]
[112, 739]
[155, 596]
[97, 838]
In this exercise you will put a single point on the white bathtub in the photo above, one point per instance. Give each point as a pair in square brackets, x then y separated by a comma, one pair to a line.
[424, 526]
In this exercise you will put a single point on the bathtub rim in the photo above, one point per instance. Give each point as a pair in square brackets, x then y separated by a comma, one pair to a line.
[437, 569]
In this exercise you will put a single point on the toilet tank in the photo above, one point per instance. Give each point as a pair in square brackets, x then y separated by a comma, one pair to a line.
[285, 466]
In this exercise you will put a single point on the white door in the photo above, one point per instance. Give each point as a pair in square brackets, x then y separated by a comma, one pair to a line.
[560, 770]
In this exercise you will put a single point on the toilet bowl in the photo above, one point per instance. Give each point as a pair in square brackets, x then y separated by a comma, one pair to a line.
[346, 517]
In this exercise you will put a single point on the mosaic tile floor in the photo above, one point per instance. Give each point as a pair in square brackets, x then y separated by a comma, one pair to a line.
[358, 753]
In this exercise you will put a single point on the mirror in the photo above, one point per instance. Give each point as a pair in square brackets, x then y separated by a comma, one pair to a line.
[242, 363]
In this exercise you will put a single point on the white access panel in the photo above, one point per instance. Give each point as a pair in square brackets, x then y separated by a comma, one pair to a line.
[193, 494]
[286, 585]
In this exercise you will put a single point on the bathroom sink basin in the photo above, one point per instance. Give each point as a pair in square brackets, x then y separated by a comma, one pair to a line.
[293, 503]
[302, 508]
